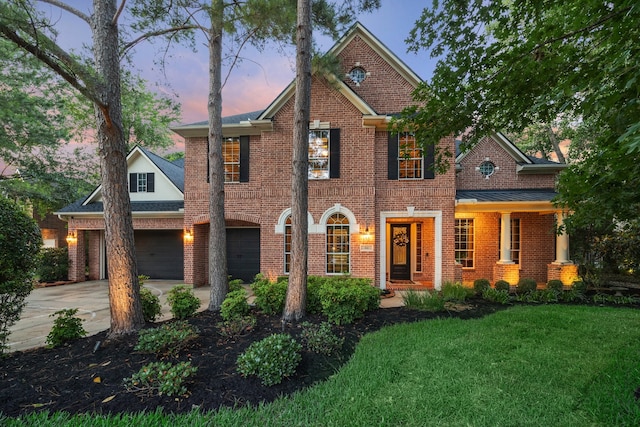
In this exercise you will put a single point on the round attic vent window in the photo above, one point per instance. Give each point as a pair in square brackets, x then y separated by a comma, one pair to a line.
[487, 168]
[357, 75]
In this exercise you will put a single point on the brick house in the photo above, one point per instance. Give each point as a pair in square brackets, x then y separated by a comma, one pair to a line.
[156, 188]
[375, 208]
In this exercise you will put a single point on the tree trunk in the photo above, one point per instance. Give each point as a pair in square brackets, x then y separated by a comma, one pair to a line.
[555, 144]
[217, 231]
[295, 304]
[124, 291]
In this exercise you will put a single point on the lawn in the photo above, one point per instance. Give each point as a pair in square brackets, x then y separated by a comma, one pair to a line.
[545, 365]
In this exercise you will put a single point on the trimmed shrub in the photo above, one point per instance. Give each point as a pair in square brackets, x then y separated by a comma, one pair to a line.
[53, 264]
[271, 359]
[502, 285]
[479, 285]
[526, 285]
[580, 287]
[235, 305]
[235, 284]
[168, 339]
[346, 299]
[319, 338]
[20, 243]
[151, 308]
[162, 378]
[66, 327]
[555, 285]
[314, 304]
[183, 302]
[270, 296]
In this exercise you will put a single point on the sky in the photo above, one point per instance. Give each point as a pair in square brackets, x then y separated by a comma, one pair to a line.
[259, 77]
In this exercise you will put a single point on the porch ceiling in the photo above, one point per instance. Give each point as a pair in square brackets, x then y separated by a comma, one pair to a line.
[535, 200]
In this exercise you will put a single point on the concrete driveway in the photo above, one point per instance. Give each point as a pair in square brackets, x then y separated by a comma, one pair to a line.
[92, 301]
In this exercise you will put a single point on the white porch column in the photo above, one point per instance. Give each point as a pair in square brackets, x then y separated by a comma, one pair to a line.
[505, 239]
[562, 242]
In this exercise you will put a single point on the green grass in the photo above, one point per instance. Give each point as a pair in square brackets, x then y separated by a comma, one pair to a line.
[525, 366]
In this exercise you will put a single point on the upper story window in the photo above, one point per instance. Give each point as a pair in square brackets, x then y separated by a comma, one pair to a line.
[235, 155]
[141, 182]
[410, 157]
[324, 153]
[357, 75]
[487, 168]
[464, 242]
[231, 156]
[407, 159]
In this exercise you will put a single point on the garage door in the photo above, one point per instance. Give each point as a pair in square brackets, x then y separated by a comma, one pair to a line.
[243, 253]
[160, 253]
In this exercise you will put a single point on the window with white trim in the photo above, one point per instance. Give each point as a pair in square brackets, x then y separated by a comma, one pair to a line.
[515, 241]
[231, 156]
[141, 182]
[287, 245]
[419, 246]
[338, 244]
[319, 150]
[410, 157]
[464, 242]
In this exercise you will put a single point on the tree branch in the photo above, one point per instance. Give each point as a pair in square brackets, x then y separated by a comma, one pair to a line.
[69, 9]
[118, 13]
[146, 36]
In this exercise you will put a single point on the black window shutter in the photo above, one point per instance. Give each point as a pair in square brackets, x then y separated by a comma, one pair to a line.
[133, 182]
[244, 159]
[150, 182]
[393, 156]
[429, 160]
[334, 153]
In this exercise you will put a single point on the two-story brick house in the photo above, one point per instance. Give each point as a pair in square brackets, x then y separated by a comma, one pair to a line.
[375, 208]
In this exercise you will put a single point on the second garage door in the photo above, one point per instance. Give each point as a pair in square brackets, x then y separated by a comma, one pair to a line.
[243, 253]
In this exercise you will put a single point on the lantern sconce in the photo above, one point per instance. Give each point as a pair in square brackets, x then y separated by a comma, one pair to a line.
[188, 235]
[72, 237]
[366, 235]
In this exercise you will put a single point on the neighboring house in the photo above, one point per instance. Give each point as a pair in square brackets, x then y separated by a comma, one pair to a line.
[156, 188]
[376, 209]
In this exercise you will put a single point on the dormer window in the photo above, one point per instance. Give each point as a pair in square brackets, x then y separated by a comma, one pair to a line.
[141, 182]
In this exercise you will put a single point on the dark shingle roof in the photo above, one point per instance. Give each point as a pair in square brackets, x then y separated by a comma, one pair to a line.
[173, 171]
[151, 206]
[517, 195]
[230, 120]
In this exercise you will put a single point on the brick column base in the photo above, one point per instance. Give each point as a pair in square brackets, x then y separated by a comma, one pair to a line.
[508, 272]
[566, 273]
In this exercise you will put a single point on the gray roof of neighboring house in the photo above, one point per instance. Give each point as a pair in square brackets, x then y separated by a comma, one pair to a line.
[516, 195]
[172, 170]
[230, 120]
[152, 206]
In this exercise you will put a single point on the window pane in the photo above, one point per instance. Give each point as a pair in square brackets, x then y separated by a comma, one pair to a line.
[410, 157]
[142, 182]
[287, 245]
[231, 157]
[464, 242]
[319, 154]
[338, 244]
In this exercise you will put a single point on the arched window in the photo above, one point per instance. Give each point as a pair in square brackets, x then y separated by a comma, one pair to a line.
[338, 237]
[287, 245]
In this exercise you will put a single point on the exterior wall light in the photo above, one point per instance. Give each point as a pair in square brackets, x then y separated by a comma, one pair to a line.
[72, 237]
[188, 235]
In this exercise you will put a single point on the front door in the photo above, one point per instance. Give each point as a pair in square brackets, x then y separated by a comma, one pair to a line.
[400, 252]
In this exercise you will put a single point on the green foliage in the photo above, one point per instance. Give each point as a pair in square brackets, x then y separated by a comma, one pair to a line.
[66, 327]
[423, 300]
[479, 285]
[314, 304]
[500, 296]
[183, 302]
[579, 286]
[151, 308]
[163, 378]
[270, 296]
[168, 340]
[235, 305]
[319, 338]
[455, 292]
[235, 284]
[271, 359]
[502, 285]
[20, 242]
[345, 299]
[237, 326]
[555, 285]
[526, 285]
[53, 264]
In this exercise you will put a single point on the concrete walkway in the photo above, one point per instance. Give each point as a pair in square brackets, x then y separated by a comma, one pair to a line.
[92, 301]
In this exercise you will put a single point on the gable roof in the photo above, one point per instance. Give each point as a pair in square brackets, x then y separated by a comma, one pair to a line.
[173, 171]
[527, 165]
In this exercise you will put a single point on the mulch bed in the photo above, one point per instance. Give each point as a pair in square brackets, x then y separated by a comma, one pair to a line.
[65, 378]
